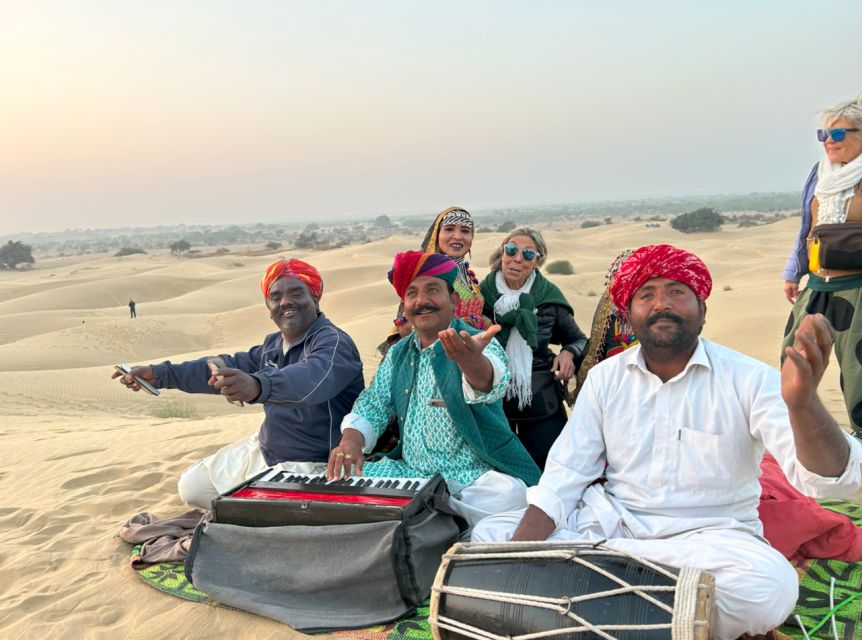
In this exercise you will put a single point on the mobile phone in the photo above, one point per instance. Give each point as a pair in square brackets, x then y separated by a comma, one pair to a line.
[124, 368]
[215, 363]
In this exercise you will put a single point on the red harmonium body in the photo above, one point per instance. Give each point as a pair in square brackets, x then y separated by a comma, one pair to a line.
[279, 498]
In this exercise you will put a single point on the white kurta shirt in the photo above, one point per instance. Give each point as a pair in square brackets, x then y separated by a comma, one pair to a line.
[681, 455]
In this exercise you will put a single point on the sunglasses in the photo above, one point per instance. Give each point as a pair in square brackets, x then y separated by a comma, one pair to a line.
[837, 135]
[512, 250]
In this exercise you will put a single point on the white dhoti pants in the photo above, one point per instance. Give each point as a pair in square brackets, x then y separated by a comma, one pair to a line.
[755, 586]
[202, 482]
[492, 492]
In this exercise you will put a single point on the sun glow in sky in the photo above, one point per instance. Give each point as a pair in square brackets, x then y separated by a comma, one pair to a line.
[121, 113]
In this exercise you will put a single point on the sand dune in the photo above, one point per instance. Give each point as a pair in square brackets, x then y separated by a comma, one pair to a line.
[82, 454]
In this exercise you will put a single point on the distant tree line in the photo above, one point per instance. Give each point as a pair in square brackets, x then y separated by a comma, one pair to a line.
[128, 251]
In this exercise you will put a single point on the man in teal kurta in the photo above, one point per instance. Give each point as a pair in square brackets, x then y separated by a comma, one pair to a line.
[444, 383]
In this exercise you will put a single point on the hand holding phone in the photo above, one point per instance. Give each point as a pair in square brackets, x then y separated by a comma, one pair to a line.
[215, 363]
[146, 386]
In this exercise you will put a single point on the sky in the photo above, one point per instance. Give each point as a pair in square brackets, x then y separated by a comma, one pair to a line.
[131, 113]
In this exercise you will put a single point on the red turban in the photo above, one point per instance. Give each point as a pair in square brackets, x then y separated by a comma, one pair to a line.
[292, 268]
[658, 261]
[409, 265]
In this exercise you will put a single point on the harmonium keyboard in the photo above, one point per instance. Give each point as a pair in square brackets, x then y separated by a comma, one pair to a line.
[277, 498]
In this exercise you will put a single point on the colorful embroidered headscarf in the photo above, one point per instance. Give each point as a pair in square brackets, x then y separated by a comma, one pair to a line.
[658, 261]
[452, 215]
[409, 265]
[292, 268]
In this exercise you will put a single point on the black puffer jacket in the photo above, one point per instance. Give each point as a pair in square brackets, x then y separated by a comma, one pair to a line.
[555, 326]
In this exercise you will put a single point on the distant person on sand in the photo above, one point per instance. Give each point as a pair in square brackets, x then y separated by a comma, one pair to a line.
[677, 426]
[443, 383]
[533, 314]
[828, 248]
[132, 312]
[306, 376]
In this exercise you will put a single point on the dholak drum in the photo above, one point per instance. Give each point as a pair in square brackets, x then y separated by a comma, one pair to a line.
[530, 590]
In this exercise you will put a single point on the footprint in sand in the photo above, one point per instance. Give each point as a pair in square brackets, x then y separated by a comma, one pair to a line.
[101, 477]
[73, 455]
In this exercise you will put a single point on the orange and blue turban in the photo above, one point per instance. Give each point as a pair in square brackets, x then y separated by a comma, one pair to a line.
[409, 265]
[292, 268]
[658, 261]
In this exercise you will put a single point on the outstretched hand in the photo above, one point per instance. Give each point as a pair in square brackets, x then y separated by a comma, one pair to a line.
[144, 372]
[806, 361]
[463, 348]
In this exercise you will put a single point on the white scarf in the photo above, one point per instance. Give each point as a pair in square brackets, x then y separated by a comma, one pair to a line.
[518, 352]
[835, 183]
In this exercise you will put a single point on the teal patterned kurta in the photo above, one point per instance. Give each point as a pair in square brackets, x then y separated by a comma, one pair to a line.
[430, 441]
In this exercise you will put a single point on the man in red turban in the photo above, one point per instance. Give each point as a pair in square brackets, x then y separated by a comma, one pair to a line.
[659, 260]
[677, 426]
[306, 375]
[293, 268]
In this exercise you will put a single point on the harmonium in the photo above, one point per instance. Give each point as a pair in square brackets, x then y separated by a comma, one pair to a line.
[277, 498]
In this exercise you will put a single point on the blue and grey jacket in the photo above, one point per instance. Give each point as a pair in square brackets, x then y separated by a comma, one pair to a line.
[304, 393]
[797, 262]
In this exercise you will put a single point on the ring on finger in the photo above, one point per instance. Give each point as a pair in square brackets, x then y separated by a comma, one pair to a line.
[340, 454]
[347, 456]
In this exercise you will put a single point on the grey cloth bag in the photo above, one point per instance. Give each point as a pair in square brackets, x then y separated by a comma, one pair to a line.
[319, 578]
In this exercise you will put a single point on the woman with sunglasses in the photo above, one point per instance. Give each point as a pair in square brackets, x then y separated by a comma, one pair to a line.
[833, 196]
[533, 313]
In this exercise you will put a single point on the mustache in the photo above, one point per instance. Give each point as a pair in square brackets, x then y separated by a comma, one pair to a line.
[429, 308]
[663, 315]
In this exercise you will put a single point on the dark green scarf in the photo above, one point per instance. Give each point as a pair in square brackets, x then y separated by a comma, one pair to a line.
[541, 293]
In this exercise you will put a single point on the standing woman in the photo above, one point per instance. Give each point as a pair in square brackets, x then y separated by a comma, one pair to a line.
[533, 314]
[829, 248]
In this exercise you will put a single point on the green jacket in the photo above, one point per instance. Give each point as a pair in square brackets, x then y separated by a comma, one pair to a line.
[483, 426]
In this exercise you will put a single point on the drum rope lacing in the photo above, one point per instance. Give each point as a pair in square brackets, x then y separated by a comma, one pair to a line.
[682, 624]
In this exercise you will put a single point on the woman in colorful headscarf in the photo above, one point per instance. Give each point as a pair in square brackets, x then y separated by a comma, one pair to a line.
[832, 200]
[451, 234]
[610, 334]
[533, 313]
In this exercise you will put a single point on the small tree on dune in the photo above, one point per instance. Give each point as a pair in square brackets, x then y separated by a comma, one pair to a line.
[14, 253]
[700, 220]
[180, 247]
[561, 267]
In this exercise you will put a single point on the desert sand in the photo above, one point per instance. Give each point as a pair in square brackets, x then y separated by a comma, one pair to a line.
[81, 454]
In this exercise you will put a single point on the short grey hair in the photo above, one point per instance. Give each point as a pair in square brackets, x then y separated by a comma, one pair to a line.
[849, 109]
[496, 259]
